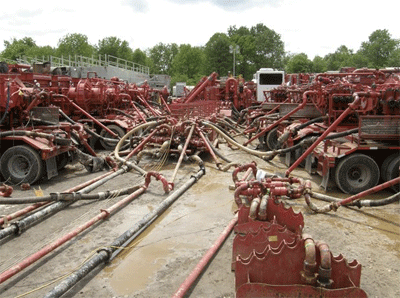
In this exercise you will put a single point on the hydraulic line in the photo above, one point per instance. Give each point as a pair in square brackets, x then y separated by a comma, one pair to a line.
[20, 226]
[126, 137]
[260, 154]
[104, 214]
[187, 284]
[335, 204]
[76, 196]
[183, 152]
[216, 151]
[38, 205]
[89, 131]
[104, 255]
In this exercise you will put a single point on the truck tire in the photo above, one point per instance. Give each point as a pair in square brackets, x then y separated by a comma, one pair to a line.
[271, 139]
[356, 173]
[21, 164]
[114, 128]
[385, 165]
[392, 172]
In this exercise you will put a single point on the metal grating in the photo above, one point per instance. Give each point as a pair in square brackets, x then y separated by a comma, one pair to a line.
[380, 127]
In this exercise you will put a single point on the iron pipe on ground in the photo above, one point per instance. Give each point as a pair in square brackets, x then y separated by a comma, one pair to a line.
[28, 209]
[187, 284]
[105, 254]
[21, 225]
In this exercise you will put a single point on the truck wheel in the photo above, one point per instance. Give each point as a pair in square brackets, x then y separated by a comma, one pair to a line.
[271, 140]
[21, 164]
[356, 173]
[385, 166]
[114, 128]
[392, 172]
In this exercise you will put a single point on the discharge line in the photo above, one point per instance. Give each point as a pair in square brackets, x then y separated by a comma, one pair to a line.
[104, 214]
[187, 284]
[20, 226]
[28, 209]
[104, 254]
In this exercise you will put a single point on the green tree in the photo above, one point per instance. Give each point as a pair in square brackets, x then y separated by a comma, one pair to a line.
[161, 56]
[114, 46]
[246, 59]
[17, 47]
[379, 47]
[269, 48]
[75, 44]
[394, 58]
[299, 64]
[318, 65]
[44, 51]
[342, 57]
[189, 61]
[138, 56]
[216, 54]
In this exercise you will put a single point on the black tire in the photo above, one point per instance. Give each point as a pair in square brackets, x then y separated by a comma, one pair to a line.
[271, 139]
[385, 165]
[114, 128]
[356, 173]
[393, 172]
[21, 164]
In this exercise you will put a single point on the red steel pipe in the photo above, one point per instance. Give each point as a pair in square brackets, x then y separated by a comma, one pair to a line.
[205, 260]
[88, 115]
[192, 96]
[52, 246]
[352, 107]
[270, 127]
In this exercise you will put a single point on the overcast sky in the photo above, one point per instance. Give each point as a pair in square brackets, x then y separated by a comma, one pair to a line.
[314, 27]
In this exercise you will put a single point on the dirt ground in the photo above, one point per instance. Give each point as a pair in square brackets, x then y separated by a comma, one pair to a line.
[158, 261]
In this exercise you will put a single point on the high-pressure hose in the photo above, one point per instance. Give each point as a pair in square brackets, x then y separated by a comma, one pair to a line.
[126, 137]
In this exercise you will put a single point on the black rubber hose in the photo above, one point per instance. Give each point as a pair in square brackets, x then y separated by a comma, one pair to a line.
[141, 108]
[89, 131]
[341, 134]
[104, 255]
[7, 104]
[20, 226]
[375, 203]
[216, 151]
[308, 123]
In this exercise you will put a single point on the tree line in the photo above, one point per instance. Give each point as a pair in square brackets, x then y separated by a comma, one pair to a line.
[258, 46]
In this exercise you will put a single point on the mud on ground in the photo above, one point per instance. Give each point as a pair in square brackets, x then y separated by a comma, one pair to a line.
[158, 261]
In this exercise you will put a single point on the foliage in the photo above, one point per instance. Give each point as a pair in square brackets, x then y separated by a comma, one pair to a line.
[114, 46]
[319, 65]
[161, 56]
[259, 46]
[216, 53]
[75, 44]
[188, 61]
[342, 57]
[379, 48]
[17, 47]
[299, 64]
[139, 57]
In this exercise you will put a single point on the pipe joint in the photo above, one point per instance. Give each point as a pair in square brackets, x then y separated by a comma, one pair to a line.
[108, 251]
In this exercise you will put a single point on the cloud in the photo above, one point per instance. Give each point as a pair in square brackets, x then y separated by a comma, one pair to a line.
[137, 5]
[233, 5]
